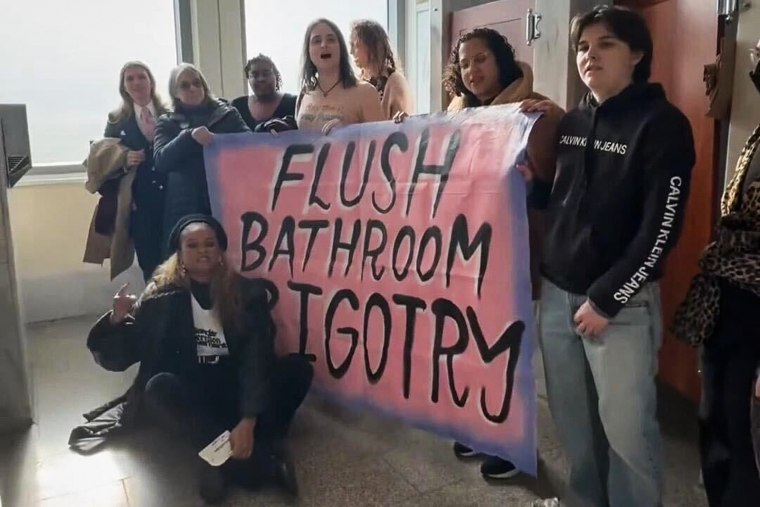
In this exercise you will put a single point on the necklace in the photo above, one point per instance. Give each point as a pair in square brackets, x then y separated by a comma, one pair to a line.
[325, 92]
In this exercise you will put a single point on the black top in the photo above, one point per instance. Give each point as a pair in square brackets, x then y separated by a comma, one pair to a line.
[148, 187]
[619, 196]
[287, 107]
[202, 294]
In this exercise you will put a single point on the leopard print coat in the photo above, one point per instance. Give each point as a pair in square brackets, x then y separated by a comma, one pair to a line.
[734, 255]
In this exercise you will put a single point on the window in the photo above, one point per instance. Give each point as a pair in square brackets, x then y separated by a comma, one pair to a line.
[62, 59]
[422, 67]
[277, 28]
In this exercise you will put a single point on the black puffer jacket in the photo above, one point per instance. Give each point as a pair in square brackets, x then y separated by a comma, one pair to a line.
[180, 157]
[160, 337]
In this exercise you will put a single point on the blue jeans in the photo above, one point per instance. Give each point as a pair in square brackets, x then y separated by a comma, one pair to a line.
[603, 399]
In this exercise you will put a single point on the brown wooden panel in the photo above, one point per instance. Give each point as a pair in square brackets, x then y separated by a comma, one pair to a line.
[685, 34]
[505, 16]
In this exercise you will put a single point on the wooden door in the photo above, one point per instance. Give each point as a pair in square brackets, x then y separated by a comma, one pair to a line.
[507, 17]
[685, 34]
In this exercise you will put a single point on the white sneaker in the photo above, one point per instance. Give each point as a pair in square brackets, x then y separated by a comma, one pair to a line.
[547, 502]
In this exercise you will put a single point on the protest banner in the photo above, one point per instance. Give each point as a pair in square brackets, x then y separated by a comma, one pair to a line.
[399, 262]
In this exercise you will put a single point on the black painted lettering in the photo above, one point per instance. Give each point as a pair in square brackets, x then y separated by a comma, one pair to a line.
[377, 301]
[399, 140]
[283, 175]
[304, 290]
[508, 342]
[460, 240]
[287, 232]
[247, 245]
[431, 234]
[273, 293]
[349, 247]
[337, 372]
[347, 159]
[439, 171]
[412, 305]
[405, 232]
[321, 159]
[314, 227]
[443, 309]
[374, 253]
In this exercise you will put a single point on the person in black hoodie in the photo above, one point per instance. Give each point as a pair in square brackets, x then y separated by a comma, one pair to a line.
[180, 138]
[624, 161]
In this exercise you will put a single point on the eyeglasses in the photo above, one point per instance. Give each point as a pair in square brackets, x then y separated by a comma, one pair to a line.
[186, 85]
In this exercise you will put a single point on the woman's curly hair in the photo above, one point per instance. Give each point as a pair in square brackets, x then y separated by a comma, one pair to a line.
[502, 50]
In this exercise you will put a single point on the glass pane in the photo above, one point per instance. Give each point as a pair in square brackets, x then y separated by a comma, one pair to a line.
[277, 28]
[423, 61]
[62, 59]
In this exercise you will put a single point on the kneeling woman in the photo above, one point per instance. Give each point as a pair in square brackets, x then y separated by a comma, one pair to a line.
[204, 338]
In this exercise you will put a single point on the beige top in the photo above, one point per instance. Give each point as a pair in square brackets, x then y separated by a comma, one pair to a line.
[358, 104]
[397, 96]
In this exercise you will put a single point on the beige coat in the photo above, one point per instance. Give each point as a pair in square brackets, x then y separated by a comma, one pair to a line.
[542, 156]
[108, 160]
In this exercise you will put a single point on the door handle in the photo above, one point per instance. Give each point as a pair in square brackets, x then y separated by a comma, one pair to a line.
[730, 8]
[531, 27]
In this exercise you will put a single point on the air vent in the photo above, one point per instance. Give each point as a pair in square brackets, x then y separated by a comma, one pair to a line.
[17, 167]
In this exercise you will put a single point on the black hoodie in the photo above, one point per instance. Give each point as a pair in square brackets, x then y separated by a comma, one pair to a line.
[619, 196]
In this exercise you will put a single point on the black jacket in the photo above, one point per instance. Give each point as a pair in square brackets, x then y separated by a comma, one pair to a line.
[148, 188]
[161, 338]
[180, 157]
[619, 196]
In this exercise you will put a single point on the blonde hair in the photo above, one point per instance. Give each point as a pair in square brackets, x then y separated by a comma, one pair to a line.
[226, 289]
[174, 83]
[127, 107]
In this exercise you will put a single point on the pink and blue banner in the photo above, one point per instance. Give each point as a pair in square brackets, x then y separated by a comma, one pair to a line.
[398, 260]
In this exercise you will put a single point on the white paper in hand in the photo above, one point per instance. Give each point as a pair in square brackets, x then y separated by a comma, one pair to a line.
[218, 451]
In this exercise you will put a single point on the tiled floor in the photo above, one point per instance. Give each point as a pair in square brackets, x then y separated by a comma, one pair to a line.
[344, 458]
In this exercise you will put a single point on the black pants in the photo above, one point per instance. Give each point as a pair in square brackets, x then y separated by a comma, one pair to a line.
[146, 227]
[200, 409]
[730, 359]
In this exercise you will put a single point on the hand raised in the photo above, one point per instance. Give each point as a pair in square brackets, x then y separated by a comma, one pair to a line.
[123, 303]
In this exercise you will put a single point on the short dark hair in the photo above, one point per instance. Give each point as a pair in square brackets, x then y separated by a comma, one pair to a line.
[503, 52]
[627, 25]
[309, 70]
[266, 60]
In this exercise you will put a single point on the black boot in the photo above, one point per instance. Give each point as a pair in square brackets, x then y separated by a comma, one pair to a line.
[283, 470]
[212, 486]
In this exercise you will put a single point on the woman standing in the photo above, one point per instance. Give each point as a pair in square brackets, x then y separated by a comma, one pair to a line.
[371, 49]
[624, 166]
[331, 95]
[720, 313]
[181, 136]
[267, 102]
[482, 72]
[204, 338]
[134, 123]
